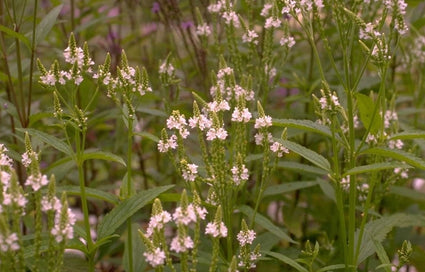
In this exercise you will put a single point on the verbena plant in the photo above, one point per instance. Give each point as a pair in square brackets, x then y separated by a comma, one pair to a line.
[264, 135]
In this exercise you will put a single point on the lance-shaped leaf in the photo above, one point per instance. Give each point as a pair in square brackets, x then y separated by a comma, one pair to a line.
[114, 219]
[396, 154]
[308, 154]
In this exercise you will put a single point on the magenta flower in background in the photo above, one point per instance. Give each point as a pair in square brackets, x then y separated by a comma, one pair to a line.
[155, 7]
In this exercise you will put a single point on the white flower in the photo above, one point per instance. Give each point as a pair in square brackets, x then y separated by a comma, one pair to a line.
[201, 121]
[166, 68]
[155, 258]
[259, 137]
[403, 173]
[48, 79]
[230, 17]
[246, 237]
[262, 122]
[239, 174]
[214, 133]
[165, 145]
[72, 56]
[189, 172]
[63, 229]
[241, 115]
[5, 178]
[157, 222]
[395, 144]
[250, 36]
[216, 230]
[345, 183]
[287, 41]
[36, 182]
[26, 158]
[389, 117]
[53, 204]
[185, 217]
[272, 22]
[203, 30]
[266, 10]
[216, 107]
[9, 243]
[181, 244]
[278, 148]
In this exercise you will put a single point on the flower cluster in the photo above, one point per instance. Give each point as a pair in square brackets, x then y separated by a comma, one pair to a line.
[247, 257]
[239, 174]
[80, 62]
[157, 251]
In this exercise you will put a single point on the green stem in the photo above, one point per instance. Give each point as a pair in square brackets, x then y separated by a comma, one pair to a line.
[20, 107]
[130, 192]
[264, 175]
[80, 164]
[31, 61]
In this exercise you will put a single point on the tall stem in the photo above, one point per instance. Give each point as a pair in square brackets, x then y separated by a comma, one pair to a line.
[80, 142]
[129, 193]
[31, 62]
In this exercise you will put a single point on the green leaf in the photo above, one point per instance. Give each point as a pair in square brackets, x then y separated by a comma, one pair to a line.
[46, 24]
[375, 167]
[16, 35]
[73, 262]
[366, 108]
[333, 267]
[327, 189]
[286, 260]
[91, 193]
[407, 135]
[49, 139]
[397, 155]
[382, 255]
[127, 208]
[150, 111]
[308, 154]
[266, 223]
[288, 187]
[137, 247]
[407, 192]
[102, 155]
[379, 228]
[306, 125]
[301, 168]
[147, 135]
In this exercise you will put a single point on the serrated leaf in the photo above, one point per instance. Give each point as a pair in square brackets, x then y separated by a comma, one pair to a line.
[306, 125]
[266, 223]
[102, 155]
[379, 228]
[46, 24]
[127, 208]
[407, 192]
[288, 187]
[308, 154]
[396, 154]
[91, 193]
[301, 168]
[375, 167]
[16, 35]
[74, 263]
[366, 108]
[49, 139]
[382, 255]
[286, 260]
[407, 135]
